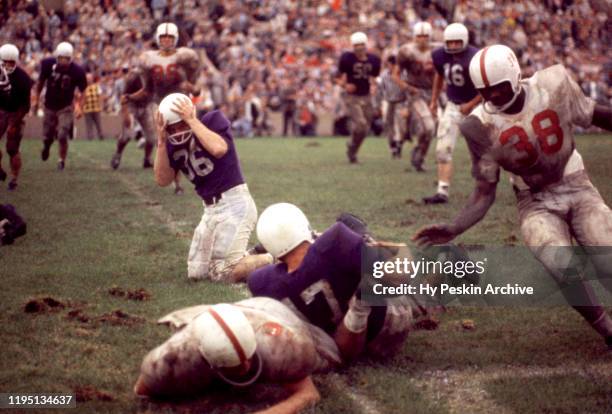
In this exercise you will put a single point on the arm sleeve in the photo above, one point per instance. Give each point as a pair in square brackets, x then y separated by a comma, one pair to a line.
[580, 107]
[477, 136]
[437, 61]
[217, 122]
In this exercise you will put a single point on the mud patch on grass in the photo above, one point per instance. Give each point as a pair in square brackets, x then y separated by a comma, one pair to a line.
[139, 294]
[43, 305]
[89, 393]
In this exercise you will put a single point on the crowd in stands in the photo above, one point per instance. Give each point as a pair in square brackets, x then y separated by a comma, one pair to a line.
[281, 55]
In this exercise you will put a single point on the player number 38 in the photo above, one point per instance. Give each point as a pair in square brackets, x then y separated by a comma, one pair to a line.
[548, 132]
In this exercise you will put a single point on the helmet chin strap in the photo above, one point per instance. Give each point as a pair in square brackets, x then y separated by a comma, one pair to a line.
[493, 109]
[248, 381]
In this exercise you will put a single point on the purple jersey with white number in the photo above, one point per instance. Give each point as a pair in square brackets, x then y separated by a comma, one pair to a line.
[321, 287]
[211, 176]
[358, 72]
[455, 69]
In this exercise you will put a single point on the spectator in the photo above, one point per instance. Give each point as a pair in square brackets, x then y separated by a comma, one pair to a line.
[92, 107]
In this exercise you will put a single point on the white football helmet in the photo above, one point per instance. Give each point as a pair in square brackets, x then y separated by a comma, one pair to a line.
[282, 227]
[167, 29]
[359, 38]
[11, 53]
[171, 117]
[64, 49]
[225, 336]
[422, 29]
[494, 65]
[456, 31]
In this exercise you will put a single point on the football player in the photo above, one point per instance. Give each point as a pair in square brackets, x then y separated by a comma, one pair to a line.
[355, 72]
[15, 87]
[203, 149]
[61, 76]
[320, 281]
[526, 127]
[167, 70]
[414, 73]
[257, 340]
[451, 63]
[139, 110]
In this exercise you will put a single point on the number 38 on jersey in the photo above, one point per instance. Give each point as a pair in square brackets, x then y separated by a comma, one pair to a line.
[548, 137]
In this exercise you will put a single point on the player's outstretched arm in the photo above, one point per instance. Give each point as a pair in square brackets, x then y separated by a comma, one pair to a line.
[602, 117]
[304, 394]
[481, 199]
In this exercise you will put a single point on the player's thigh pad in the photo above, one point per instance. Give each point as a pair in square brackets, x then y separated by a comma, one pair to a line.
[421, 120]
[50, 120]
[14, 134]
[200, 251]
[358, 117]
[236, 217]
[448, 132]
[65, 120]
[546, 232]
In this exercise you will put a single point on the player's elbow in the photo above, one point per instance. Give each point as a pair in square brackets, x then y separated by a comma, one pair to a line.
[220, 149]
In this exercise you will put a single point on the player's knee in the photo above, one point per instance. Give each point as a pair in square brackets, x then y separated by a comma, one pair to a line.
[444, 154]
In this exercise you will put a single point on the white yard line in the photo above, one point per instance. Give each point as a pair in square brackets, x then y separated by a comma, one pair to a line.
[367, 405]
[464, 390]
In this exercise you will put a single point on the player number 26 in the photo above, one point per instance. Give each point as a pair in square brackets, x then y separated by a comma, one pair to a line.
[546, 125]
[195, 164]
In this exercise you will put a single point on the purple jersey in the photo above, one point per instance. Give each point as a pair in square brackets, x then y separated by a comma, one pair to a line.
[358, 72]
[455, 69]
[211, 176]
[61, 83]
[15, 94]
[322, 286]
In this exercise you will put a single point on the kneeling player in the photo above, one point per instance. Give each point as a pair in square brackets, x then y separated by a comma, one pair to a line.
[526, 127]
[204, 151]
[320, 279]
[252, 341]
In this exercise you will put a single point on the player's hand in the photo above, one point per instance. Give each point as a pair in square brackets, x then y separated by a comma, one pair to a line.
[185, 109]
[433, 108]
[434, 234]
[124, 99]
[162, 135]
[465, 108]
[350, 88]
[78, 112]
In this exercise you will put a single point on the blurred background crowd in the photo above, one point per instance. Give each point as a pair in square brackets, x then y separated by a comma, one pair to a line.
[281, 55]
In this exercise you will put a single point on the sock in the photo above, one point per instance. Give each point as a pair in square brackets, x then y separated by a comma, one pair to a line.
[443, 187]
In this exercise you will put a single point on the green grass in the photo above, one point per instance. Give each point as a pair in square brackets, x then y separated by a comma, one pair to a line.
[89, 231]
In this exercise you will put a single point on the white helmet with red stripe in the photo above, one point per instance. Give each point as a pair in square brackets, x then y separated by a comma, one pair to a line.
[225, 335]
[422, 29]
[456, 31]
[166, 29]
[492, 66]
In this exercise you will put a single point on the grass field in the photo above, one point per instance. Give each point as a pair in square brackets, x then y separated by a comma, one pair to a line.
[93, 231]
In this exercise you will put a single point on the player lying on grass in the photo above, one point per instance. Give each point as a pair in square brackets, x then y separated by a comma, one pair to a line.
[203, 149]
[526, 127]
[320, 280]
[254, 340]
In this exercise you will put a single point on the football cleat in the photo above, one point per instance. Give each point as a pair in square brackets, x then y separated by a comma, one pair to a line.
[115, 161]
[351, 157]
[178, 190]
[147, 164]
[436, 199]
[2, 175]
[12, 185]
[60, 165]
[141, 142]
